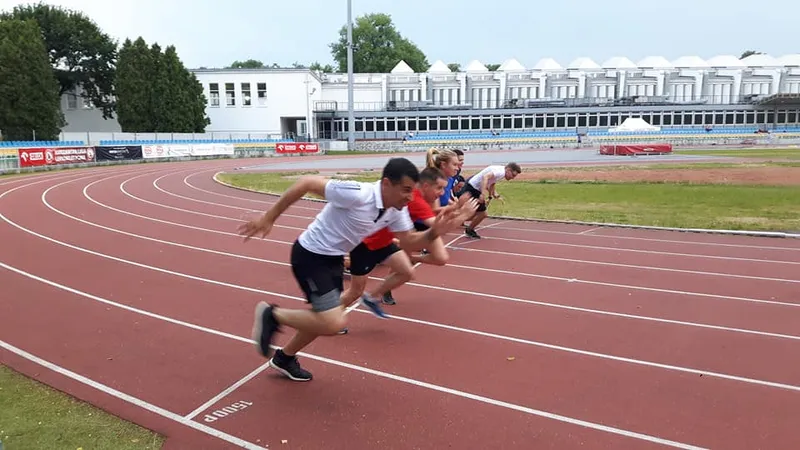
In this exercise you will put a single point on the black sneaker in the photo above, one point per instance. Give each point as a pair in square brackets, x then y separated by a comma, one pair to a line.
[469, 231]
[289, 366]
[343, 331]
[264, 326]
[388, 299]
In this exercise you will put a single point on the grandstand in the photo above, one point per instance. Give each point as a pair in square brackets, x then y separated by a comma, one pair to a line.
[688, 100]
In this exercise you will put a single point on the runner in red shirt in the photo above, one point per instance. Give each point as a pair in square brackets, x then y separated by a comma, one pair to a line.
[380, 248]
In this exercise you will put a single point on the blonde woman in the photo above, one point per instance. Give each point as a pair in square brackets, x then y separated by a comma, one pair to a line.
[447, 163]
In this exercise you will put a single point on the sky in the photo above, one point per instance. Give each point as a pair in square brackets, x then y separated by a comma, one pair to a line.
[209, 33]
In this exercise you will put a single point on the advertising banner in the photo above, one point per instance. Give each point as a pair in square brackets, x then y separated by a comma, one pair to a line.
[52, 156]
[291, 147]
[118, 152]
[178, 150]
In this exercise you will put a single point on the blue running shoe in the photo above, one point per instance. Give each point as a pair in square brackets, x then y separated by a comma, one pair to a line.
[373, 306]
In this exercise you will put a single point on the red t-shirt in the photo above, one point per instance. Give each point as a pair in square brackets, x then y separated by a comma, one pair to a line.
[418, 209]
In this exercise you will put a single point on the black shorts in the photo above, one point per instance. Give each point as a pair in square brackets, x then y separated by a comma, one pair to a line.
[319, 276]
[474, 193]
[419, 226]
[363, 260]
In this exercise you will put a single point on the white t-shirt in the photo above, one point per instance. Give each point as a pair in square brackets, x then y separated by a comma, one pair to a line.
[499, 174]
[351, 215]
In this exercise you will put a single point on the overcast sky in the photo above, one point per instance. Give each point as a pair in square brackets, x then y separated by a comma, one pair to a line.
[215, 33]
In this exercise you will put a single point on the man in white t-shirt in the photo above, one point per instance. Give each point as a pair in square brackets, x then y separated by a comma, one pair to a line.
[481, 187]
[353, 211]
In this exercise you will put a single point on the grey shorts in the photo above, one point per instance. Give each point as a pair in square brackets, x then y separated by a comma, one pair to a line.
[319, 276]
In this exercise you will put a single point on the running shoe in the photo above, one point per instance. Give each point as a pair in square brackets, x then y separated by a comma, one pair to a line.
[289, 366]
[373, 306]
[264, 326]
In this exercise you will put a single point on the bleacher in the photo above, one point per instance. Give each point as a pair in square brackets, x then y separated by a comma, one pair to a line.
[511, 136]
[24, 144]
[191, 141]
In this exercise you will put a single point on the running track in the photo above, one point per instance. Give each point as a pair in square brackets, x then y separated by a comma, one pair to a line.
[128, 287]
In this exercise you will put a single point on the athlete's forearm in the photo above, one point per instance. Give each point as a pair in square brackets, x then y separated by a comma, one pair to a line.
[417, 240]
[296, 192]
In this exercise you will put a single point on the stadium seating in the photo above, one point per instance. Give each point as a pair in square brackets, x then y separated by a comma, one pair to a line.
[24, 144]
[191, 141]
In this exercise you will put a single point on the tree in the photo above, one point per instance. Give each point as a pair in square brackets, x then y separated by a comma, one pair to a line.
[30, 102]
[492, 67]
[249, 64]
[80, 54]
[454, 67]
[317, 67]
[378, 47]
[156, 93]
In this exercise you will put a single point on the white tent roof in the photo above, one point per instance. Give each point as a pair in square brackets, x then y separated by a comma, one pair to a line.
[547, 64]
[476, 66]
[632, 124]
[511, 65]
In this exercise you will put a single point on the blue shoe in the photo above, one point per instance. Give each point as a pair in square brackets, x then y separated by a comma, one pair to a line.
[373, 306]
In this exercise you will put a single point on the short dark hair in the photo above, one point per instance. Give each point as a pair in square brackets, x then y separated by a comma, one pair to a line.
[430, 175]
[398, 168]
[458, 152]
[514, 166]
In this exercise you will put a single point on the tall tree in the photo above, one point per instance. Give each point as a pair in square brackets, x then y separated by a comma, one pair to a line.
[378, 47]
[156, 93]
[81, 55]
[316, 66]
[30, 102]
[249, 64]
[133, 84]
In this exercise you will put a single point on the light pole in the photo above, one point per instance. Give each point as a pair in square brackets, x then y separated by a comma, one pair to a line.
[351, 121]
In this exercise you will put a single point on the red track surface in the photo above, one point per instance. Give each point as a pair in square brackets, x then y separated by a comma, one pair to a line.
[128, 287]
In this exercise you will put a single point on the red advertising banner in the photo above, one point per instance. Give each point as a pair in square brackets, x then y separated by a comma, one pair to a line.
[51, 156]
[302, 147]
[635, 149]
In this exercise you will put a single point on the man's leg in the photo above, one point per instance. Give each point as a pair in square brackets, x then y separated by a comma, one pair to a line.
[320, 278]
[401, 272]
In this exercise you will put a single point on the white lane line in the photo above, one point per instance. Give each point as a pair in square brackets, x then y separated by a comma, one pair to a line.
[464, 330]
[129, 398]
[410, 381]
[227, 391]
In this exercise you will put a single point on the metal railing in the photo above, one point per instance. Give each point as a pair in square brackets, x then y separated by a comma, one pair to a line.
[330, 106]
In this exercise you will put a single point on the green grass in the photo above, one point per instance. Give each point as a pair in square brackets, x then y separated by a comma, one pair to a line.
[33, 415]
[766, 153]
[717, 206]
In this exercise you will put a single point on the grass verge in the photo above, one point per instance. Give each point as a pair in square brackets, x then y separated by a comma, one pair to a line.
[788, 153]
[683, 205]
[33, 415]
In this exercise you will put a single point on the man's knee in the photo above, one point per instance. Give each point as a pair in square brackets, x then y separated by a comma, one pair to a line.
[439, 259]
[332, 320]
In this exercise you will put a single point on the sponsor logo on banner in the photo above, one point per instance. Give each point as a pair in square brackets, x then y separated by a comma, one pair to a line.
[303, 147]
[32, 157]
[179, 150]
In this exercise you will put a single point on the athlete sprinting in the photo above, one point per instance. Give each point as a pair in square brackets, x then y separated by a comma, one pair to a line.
[353, 211]
[481, 187]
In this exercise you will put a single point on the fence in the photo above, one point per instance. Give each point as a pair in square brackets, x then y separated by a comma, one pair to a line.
[33, 156]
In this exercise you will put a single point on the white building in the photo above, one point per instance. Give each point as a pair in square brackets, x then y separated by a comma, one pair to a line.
[290, 102]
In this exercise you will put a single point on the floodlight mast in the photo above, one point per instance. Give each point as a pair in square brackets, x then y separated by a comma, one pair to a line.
[351, 121]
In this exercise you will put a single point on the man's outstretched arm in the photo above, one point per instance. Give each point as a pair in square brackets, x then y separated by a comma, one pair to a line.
[304, 185]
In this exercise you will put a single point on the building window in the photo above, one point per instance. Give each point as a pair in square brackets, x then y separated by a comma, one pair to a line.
[262, 94]
[72, 101]
[213, 89]
[230, 94]
[246, 100]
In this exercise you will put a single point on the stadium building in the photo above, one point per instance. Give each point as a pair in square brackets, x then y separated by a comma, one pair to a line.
[722, 97]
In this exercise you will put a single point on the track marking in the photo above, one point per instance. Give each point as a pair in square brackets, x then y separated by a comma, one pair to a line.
[239, 220]
[410, 381]
[652, 252]
[628, 266]
[464, 330]
[480, 294]
[227, 391]
[655, 252]
[264, 202]
[637, 238]
[639, 267]
[131, 399]
[449, 245]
